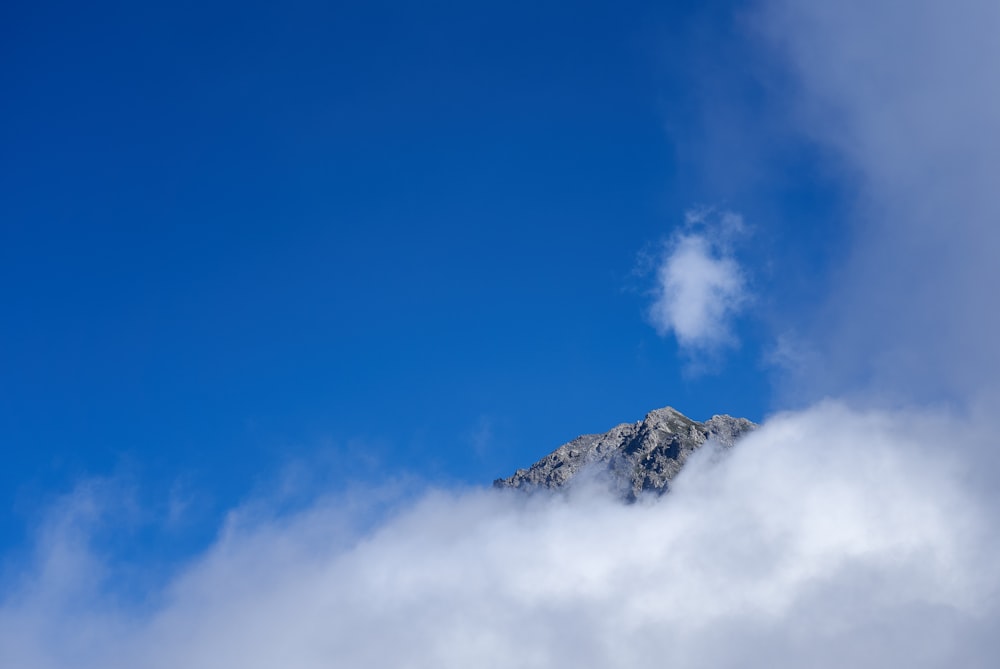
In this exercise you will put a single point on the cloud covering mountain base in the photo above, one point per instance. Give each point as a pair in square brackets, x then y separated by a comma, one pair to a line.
[829, 537]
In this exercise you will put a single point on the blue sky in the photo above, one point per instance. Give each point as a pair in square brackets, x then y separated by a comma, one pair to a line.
[283, 288]
[392, 237]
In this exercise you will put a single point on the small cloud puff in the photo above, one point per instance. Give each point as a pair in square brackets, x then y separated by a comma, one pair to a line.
[700, 286]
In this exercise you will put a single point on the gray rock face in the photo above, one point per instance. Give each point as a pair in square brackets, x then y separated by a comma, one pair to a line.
[634, 457]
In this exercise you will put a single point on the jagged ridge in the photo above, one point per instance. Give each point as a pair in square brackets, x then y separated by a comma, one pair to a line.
[635, 457]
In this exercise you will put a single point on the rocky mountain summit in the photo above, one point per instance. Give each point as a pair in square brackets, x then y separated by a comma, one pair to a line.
[633, 457]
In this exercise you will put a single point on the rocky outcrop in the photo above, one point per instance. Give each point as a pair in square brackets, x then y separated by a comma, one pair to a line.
[633, 457]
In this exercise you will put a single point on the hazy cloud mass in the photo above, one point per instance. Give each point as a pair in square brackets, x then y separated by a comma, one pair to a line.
[828, 538]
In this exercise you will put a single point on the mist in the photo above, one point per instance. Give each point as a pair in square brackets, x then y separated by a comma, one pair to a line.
[903, 95]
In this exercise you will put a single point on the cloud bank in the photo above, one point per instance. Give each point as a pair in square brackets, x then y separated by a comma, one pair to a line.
[700, 286]
[831, 537]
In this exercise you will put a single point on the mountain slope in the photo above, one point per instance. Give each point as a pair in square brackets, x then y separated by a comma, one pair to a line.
[635, 457]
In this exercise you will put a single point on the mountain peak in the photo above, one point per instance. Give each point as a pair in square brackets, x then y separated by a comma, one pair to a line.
[634, 457]
[668, 418]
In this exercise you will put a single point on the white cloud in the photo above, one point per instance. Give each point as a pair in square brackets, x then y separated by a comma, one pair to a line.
[903, 93]
[700, 286]
[829, 538]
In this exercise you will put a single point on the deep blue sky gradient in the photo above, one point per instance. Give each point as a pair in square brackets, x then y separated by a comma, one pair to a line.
[381, 238]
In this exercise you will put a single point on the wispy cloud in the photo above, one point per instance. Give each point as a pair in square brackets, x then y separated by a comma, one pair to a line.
[901, 94]
[700, 286]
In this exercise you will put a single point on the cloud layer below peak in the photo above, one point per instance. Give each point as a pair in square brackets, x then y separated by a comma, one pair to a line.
[829, 537]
